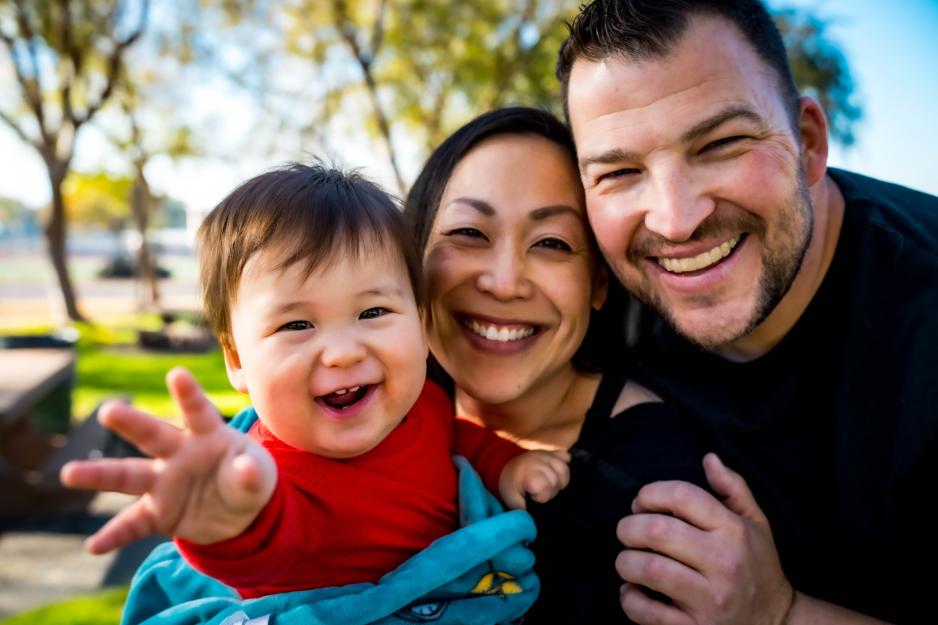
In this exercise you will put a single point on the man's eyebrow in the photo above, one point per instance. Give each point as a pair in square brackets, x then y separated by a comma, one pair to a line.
[614, 155]
[711, 123]
[617, 155]
[480, 205]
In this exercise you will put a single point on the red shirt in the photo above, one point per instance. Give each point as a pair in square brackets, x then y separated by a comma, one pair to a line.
[335, 522]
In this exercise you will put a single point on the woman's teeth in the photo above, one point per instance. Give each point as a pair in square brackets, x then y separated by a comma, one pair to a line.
[701, 261]
[501, 334]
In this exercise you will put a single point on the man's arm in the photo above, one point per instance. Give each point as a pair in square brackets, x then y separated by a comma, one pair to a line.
[716, 560]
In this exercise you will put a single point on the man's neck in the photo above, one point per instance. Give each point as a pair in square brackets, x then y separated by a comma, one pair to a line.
[828, 205]
[549, 416]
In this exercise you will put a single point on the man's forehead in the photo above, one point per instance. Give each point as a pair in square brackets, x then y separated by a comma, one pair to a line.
[712, 58]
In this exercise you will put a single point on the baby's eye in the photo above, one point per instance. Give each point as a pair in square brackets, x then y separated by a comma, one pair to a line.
[374, 313]
[471, 233]
[296, 325]
[554, 243]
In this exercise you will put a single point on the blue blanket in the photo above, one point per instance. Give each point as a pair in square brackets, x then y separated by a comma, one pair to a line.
[480, 574]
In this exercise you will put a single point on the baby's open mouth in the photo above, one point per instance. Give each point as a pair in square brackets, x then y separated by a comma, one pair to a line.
[345, 397]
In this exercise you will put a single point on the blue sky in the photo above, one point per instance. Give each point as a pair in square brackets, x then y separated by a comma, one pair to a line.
[892, 49]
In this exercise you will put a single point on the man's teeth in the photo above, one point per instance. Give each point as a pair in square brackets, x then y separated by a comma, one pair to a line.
[343, 391]
[701, 261]
[502, 335]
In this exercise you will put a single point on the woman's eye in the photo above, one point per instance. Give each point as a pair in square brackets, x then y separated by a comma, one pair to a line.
[554, 243]
[374, 313]
[471, 233]
[296, 325]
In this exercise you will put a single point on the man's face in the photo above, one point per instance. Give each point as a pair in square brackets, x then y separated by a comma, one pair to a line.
[694, 181]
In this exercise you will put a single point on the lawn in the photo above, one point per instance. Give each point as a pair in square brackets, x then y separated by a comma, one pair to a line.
[100, 609]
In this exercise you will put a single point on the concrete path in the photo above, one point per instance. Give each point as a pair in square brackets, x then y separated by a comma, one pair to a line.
[43, 560]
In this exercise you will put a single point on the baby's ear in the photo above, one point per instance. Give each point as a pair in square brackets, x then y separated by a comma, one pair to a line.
[233, 367]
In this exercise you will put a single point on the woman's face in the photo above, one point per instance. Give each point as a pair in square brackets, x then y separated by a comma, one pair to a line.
[510, 271]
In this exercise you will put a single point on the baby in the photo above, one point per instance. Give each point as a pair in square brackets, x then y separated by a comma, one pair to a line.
[312, 285]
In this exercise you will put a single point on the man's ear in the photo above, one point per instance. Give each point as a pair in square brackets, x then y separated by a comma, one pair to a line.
[233, 367]
[600, 287]
[812, 124]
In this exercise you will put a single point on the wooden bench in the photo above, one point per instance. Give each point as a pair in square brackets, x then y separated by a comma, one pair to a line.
[30, 456]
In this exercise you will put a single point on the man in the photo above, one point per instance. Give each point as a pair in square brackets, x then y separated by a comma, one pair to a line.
[801, 325]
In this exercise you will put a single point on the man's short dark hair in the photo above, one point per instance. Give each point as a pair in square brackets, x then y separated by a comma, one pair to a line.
[649, 29]
[304, 213]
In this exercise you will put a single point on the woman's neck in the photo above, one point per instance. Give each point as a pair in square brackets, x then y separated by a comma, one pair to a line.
[548, 416]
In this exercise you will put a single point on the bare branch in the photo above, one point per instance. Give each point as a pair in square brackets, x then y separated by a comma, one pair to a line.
[114, 65]
[16, 128]
[377, 31]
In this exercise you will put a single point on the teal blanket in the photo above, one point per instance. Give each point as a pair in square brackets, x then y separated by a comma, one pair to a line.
[481, 574]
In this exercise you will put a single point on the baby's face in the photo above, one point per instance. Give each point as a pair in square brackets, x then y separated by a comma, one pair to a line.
[334, 361]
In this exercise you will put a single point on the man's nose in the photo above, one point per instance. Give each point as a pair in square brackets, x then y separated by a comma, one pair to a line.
[504, 274]
[342, 349]
[676, 204]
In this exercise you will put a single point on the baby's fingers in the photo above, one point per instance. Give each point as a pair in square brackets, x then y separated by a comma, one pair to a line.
[133, 476]
[200, 415]
[152, 436]
[132, 523]
[249, 480]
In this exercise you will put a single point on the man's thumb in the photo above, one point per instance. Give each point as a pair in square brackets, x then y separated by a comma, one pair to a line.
[732, 489]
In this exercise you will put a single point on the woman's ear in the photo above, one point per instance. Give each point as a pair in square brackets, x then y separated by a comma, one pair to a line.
[600, 287]
[233, 367]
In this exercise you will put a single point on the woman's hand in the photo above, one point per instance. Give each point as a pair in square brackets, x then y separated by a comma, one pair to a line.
[540, 474]
[205, 483]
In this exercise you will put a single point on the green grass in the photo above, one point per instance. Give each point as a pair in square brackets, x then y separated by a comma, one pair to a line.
[99, 609]
[110, 365]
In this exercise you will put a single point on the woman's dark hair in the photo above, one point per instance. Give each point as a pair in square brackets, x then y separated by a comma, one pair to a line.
[605, 334]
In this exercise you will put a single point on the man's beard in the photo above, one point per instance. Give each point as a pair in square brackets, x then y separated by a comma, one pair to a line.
[781, 260]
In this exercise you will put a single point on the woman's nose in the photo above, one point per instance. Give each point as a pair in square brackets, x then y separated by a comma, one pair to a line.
[505, 276]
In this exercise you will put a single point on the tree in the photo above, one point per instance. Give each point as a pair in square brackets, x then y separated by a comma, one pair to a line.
[427, 66]
[66, 57]
[821, 70]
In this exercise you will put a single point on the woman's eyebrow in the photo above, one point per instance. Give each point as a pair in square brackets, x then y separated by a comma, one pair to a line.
[480, 205]
[544, 212]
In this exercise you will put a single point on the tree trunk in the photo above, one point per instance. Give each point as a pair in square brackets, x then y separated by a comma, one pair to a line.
[140, 203]
[55, 236]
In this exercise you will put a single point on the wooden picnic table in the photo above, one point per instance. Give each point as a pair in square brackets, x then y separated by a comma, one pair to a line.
[29, 375]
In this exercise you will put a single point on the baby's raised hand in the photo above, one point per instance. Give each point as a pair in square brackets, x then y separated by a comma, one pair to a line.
[540, 474]
[204, 483]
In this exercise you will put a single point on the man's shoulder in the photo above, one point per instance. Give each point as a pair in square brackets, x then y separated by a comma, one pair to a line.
[891, 207]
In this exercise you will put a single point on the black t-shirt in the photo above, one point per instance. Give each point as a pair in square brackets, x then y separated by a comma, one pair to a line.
[836, 428]
[615, 455]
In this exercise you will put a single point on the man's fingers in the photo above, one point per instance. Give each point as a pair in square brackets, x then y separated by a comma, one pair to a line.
[660, 573]
[132, 523]
[132, 476]
[197, 411]
[644, 610]
[732, 488]
[683, 500]
[152, 436]
[667, 535]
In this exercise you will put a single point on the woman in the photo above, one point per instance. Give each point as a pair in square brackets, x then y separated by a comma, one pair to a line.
[513, 278]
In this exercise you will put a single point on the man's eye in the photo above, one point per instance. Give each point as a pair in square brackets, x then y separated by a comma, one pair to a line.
[471, 233]
[296, 325]
[720, 143]
[374, 313]
[617, 173]
[554, 243]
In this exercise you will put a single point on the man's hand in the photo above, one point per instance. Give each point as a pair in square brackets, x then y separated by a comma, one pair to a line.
[541, 474]
[205, 483]
[716, 560]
